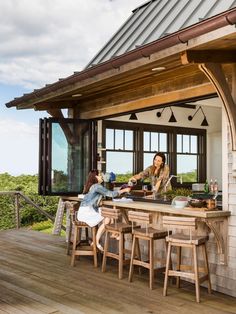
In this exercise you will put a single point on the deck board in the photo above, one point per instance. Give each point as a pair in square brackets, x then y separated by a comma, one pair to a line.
[36, 277]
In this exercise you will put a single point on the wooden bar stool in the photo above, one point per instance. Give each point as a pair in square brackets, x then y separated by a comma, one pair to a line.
[149, 234]
[71, 211]
[83, 247]
[193, 242]
[121, 229]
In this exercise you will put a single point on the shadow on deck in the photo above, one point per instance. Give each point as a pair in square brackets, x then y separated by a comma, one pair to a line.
[36, 277]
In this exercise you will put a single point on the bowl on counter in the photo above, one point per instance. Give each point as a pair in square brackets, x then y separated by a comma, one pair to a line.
[180, 201]
[197, 203]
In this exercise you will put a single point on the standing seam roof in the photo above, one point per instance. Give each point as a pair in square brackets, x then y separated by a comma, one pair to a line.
[156, 19]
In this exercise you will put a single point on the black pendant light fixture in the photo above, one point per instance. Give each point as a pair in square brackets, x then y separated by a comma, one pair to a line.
[133, 116]
[172, 117]
[204, 121]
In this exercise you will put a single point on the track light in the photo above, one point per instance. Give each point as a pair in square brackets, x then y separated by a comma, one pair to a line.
[133, 116]
[204, 121]
[172, 117]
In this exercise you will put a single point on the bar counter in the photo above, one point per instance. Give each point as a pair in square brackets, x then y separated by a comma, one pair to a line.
[215, 220]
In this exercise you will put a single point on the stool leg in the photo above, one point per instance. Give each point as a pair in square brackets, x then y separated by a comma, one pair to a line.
[121, 254]
[69, 239]
[168, 257]
[179, 253]
[131, 268]
[104, 260]
[74, 246]
[207, 267]
[196, 273]
[137, 255]
[151, 264]
[95, 260]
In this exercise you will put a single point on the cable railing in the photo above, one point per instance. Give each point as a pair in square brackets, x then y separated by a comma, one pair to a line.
[17, 195]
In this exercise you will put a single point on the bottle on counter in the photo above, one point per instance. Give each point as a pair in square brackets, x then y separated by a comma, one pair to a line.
[211, 187]
[215, 187]
[206, 187]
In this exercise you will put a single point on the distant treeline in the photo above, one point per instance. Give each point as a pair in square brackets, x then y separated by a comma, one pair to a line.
[28, 185]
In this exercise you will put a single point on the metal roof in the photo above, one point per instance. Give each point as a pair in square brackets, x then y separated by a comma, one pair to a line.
[156, 19]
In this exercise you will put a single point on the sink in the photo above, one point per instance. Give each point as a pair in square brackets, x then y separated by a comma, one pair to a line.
[149, 200]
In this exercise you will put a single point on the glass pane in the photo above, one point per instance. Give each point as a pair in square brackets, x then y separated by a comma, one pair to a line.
[69, 156]
[147, 160]
[121, 163]
[129, 140]
[193, 144]
[109, 138]
[146, 141]
[187, 167]
[154, 141]
[163, 142]
[179, 143]
[186, 148]
[119, 140]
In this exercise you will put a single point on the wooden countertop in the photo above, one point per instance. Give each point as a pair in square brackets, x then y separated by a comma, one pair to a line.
[161, 208]
[168, 209]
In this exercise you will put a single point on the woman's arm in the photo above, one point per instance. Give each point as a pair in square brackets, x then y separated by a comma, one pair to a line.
[105, 192]
[141, 175]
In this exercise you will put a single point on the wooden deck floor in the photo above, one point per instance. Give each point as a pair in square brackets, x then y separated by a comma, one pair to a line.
[36, 277]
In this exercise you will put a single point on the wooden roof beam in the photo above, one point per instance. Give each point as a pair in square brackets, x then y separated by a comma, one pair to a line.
[148, 102]
[204, 56]
[55, 113]
[53, 105]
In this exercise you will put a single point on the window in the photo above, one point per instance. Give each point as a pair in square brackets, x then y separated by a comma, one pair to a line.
[153, 142]
[187, 157]
[119, 151]
[130, 148]
[66, 155]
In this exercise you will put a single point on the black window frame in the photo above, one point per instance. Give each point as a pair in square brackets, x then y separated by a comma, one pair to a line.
[45, 154]
[172, 131]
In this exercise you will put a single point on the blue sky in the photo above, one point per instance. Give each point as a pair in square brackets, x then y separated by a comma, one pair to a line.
[49, 40]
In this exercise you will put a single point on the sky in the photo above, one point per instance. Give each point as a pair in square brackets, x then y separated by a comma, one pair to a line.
[42, 41]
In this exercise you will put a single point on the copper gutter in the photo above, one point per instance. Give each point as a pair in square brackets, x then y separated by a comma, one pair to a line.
[182, 36]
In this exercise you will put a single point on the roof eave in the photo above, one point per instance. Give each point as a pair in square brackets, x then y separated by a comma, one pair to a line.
[183, 36]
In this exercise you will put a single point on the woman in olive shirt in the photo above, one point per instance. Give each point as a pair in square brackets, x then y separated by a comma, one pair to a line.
[158, 173]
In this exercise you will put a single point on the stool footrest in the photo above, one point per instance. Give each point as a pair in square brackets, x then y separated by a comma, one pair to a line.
[178, 273]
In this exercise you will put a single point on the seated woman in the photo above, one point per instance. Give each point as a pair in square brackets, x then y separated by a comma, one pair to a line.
[158, 173]
[89, 207]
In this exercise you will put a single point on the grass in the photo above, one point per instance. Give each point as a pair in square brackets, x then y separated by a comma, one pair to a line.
[45, 227]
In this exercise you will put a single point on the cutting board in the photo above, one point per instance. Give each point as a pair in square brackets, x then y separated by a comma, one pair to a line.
[203, 209]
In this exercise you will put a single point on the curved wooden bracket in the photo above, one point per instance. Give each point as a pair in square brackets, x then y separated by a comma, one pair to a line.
[220, 236]
[215, 74]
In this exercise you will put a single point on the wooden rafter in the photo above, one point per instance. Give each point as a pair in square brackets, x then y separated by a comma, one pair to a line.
[204, 56]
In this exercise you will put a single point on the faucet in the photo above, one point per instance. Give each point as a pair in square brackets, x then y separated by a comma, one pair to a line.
[168, 181]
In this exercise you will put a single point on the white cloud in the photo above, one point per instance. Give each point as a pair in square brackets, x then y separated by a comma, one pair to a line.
[43, 40]
[19, 147]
